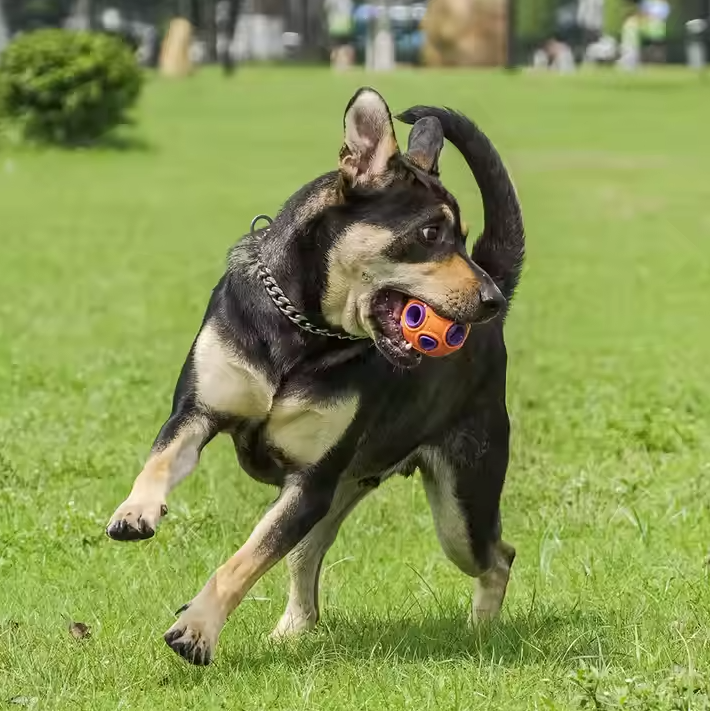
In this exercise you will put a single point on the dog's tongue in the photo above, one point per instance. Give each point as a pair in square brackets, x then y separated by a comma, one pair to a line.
[397, 302]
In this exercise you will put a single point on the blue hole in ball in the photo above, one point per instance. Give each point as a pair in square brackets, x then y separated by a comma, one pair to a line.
[428, 343]
[414, 315]
[455, 335]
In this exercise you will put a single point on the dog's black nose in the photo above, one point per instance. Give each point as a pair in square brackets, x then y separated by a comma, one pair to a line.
[492, 300]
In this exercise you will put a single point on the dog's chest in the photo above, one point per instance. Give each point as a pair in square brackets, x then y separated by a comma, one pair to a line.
[294, 423]
[303, 430]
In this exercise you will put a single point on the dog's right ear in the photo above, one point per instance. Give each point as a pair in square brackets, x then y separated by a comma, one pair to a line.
[369, 143]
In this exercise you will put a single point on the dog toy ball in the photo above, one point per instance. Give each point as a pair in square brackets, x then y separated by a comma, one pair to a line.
[430, 333]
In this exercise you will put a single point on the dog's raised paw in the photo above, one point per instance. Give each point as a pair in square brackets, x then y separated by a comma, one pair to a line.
[123, 530]
[191, 644]
[135, 521]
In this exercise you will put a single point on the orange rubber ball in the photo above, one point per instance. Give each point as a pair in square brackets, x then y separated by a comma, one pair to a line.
[430, 333]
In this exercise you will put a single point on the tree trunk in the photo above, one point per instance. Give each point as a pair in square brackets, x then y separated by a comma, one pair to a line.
[273, 8]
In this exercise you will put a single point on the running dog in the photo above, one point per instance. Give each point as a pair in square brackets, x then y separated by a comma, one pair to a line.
[300, 358]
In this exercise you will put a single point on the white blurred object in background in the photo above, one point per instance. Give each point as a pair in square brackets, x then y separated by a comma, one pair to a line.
[379, 49]
[603, 51]
[257, 35]
[111, 20]
[695, 48]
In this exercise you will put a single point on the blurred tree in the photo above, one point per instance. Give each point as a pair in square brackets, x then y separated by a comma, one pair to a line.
[535, 17]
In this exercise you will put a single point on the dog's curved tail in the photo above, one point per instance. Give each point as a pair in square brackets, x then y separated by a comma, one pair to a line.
[500, 249]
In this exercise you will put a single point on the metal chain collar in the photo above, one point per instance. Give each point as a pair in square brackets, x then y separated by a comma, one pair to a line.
[283, 303]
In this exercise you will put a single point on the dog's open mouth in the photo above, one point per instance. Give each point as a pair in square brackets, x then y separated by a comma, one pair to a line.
[385, 318]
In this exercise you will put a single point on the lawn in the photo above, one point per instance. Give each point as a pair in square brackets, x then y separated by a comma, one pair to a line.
[108, 258]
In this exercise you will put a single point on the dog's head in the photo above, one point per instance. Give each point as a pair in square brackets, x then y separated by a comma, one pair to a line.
[397, 233]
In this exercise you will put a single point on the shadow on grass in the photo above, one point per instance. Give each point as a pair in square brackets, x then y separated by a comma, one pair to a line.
[552, 637]
[123, 143]
[117, 141]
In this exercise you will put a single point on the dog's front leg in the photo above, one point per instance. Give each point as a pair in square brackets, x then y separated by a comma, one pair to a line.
[303, 502]
[216, 386]
[174, 455]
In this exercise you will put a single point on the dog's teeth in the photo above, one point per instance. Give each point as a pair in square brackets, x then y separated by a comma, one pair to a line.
[407, 346]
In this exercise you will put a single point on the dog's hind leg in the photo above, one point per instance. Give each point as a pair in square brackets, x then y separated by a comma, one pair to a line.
[305, 560]
[463, 480]
[303, 502]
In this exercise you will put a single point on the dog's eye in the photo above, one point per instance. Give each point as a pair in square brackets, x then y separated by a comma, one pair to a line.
[431, 234]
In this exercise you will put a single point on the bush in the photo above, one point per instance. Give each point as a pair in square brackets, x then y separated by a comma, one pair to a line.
[65, 86]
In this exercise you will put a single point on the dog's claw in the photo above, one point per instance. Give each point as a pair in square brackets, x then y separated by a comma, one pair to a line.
[123, 531]
[136, 520]
[191, 646]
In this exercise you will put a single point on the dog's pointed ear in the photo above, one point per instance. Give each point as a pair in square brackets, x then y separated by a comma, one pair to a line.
[426, 140]
[370, 142]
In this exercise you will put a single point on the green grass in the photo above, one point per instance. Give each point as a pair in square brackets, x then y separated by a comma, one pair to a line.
[108, 258]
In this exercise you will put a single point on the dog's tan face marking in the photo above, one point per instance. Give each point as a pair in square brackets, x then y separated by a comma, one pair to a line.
[355, 268]
[304, 431]
[442, 284]
[227, 383]
[359, 267]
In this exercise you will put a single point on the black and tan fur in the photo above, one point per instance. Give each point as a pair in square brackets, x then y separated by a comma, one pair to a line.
[326, 420]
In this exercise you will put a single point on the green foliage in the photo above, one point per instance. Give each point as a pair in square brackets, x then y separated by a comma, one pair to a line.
[681, 690]
[535, 17]
[70, 87]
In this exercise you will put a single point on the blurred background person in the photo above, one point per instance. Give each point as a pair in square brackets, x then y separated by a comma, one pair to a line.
[225, 17]
[630, 45]
[556, 56]
[654, 19]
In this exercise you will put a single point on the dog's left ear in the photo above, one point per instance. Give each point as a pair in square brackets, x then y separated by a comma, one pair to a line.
[369, 143]
[426, 141]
